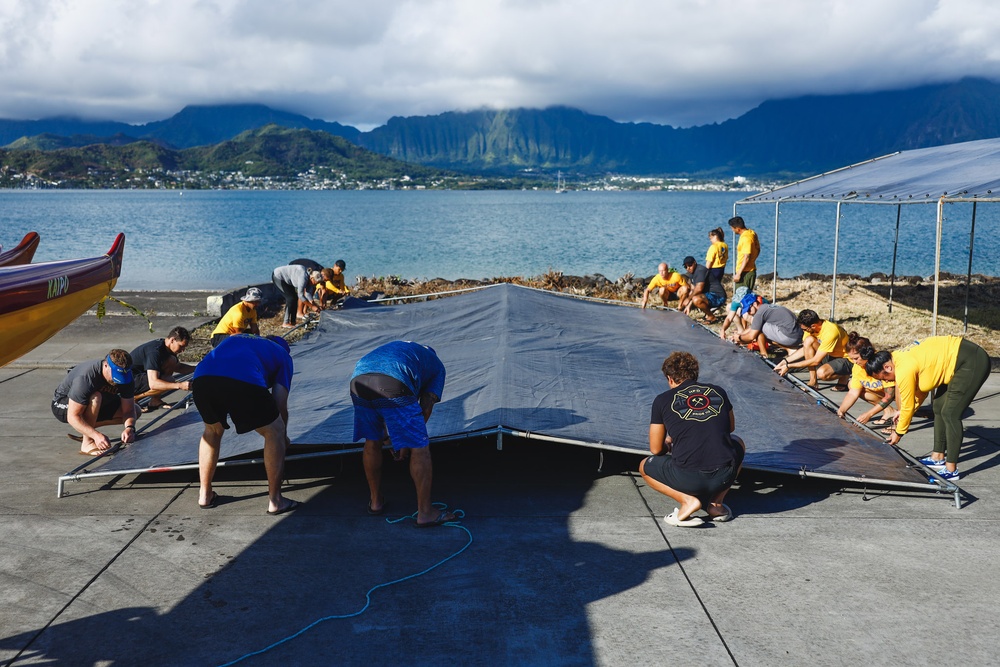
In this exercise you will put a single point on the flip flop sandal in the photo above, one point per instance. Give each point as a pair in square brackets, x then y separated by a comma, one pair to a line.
[444, 517]
[690, 522]
[213, 501]
[721, 518]
[290, 507]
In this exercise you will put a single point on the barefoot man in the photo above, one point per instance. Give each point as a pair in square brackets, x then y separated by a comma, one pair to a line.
[98, 393]
[394, 389]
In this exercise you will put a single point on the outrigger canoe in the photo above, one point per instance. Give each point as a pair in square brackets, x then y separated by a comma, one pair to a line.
[37, 300]
[22, 252]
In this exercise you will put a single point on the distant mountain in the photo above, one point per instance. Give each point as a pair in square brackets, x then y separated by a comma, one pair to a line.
[52, 142]
[269, 151]
[192, 126]
[780, 139]
[207, 125]
[784, 137]
[279, 151]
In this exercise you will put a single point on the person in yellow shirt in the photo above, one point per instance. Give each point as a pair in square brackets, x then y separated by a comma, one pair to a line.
[823, 351]
[861, 385]
[332, 287]
[241, 318]
[747, 250]
[718, 253]
[666, 283]
[957, 368]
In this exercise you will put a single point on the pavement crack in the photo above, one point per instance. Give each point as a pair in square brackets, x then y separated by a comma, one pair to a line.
[96, 576]
[680, 564]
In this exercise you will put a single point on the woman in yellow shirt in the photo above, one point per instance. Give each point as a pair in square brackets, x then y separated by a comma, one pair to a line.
[861, 385]
[957, 368]
[718, 253]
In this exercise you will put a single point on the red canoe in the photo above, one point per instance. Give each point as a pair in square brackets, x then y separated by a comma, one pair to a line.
[22, 252]
[37, 300]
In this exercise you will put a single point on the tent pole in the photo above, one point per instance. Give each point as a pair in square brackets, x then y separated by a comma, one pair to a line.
[968, 275]
[774, 276]
[937, 262]
[836, 243]
[895, 249]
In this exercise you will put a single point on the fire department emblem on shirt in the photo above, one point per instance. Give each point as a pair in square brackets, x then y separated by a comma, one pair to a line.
[697, 403]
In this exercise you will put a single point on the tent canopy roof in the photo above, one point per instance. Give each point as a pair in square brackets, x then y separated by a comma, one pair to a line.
[548, 366]
[968, 171]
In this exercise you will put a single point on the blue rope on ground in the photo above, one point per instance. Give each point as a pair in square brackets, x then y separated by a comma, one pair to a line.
[368, 596]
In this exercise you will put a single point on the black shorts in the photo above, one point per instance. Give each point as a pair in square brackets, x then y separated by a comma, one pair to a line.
[109, 406]
[839, 365]
[373, 386]
[702, 484]
[141, 383]
[250, 406]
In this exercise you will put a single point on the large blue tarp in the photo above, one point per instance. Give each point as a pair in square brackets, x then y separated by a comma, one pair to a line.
[529, 361]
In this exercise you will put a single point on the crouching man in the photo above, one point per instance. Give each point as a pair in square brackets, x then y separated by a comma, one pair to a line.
[98, 393]
[695, 458]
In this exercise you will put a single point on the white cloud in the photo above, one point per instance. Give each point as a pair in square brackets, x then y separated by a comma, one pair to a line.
[679, 61]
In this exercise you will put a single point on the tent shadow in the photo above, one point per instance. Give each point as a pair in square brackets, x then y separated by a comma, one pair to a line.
[517, 595]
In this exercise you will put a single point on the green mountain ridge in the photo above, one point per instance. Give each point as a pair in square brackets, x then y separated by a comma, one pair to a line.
[779, 139]
[271, 151]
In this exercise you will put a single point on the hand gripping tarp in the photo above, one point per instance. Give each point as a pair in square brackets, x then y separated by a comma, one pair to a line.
[545, 365]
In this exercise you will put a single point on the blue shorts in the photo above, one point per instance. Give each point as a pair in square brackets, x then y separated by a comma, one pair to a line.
[398, 414]
[714, 300]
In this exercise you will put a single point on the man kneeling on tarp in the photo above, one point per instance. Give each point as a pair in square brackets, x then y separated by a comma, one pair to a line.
[695, 456]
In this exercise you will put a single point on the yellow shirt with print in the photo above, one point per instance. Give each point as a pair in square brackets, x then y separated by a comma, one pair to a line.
[718, 255]
[861, 380]
[921, 368]
[238, 319]
[748, 246]
[832, 339]
[672, 282]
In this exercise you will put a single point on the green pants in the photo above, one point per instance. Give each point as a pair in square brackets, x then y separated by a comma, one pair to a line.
[748, 280]
[972, 367]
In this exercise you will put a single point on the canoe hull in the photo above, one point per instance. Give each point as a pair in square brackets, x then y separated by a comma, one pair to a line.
[22, 253]
[37, 300]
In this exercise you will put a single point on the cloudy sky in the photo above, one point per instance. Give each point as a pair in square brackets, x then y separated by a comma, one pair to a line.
[359, 62]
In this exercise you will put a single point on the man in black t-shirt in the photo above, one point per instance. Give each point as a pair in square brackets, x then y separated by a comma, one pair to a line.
[695, 456]
[154, 365]
[707, 292]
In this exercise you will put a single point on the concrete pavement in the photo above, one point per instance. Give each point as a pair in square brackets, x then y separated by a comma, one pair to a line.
[562, 564]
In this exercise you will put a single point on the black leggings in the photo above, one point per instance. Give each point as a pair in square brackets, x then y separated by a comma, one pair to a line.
[291, 299]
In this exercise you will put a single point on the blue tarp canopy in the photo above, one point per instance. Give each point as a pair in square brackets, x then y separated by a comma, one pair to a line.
[543, 365]
[967, 171]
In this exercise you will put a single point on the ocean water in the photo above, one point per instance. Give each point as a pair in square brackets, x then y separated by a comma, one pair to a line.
[223, 239]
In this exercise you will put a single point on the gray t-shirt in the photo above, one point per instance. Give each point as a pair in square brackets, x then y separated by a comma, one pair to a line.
[86, 379]
[778, 324]
[297, 276]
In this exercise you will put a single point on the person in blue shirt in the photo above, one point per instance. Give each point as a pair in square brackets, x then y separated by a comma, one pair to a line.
[248, 379]
[394, 388]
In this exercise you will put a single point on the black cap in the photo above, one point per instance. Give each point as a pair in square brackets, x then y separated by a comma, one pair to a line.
[689, 260]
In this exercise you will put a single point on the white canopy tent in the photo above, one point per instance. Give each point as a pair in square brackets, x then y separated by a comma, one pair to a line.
[967, 172]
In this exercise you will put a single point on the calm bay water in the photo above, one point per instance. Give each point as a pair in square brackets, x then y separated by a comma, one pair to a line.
[222, 239]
